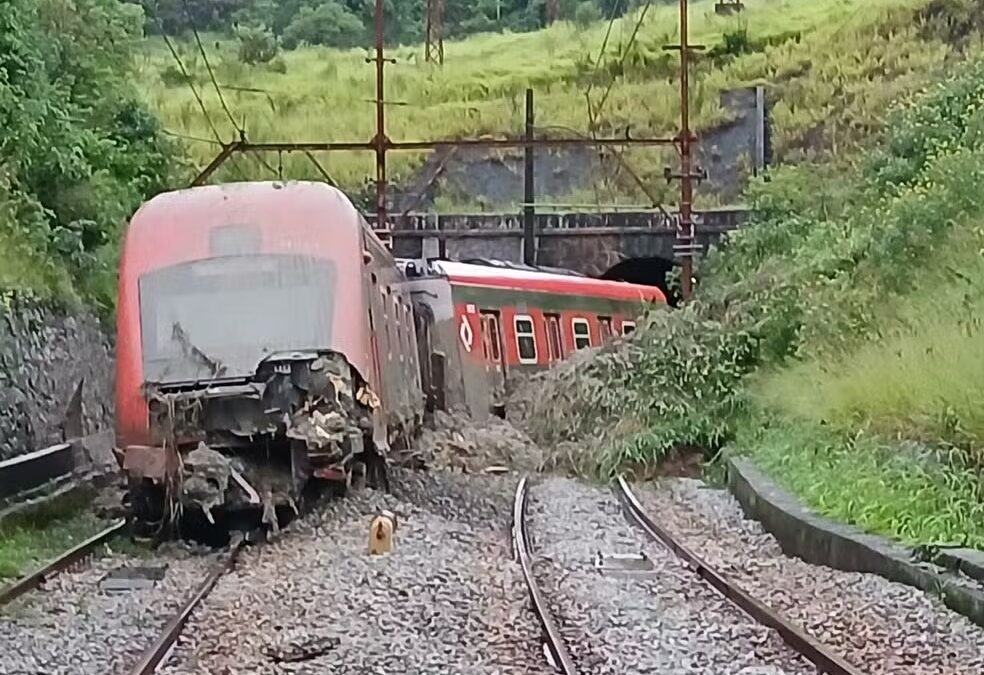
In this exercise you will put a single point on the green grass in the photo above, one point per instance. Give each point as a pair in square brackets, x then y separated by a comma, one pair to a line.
[912, 495]
[889, 435]
[832, 67]
[32, 538]
[920, 378]
[22, 268]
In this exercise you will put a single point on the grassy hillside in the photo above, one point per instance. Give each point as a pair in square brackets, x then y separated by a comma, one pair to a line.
[832, 66]
[837, 339]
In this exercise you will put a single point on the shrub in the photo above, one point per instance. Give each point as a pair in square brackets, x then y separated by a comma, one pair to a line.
[586, 14]
[256, 44]
[327, 24]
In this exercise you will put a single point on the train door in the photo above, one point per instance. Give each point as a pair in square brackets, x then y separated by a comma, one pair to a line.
[605, 328]
[431, 363]
[554, 343]
[495, 365]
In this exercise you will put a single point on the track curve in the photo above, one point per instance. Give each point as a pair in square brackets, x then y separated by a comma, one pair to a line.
[817, 653]
[521, 547]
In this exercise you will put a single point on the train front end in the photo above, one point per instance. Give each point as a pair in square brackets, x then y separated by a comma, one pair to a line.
[242, 358]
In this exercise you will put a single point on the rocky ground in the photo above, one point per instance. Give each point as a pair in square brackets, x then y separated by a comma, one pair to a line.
[666, 622]
[489, 447]
[881, 627]
[74, 626]
[448, 598]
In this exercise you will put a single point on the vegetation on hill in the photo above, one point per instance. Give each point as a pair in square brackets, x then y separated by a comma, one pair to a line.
[350, 23]
[78, 151]
[831, 68]
[837, 338]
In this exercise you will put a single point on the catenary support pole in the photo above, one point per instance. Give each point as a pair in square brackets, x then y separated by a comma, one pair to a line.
[529, 188]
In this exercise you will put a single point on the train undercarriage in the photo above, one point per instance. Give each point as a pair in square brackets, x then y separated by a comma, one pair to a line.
[240, 454]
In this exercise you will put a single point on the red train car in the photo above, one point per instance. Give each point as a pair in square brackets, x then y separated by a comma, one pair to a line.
[259, 325]
[266, 337]
[511, 320]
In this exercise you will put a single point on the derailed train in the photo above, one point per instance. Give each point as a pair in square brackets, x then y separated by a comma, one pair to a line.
[266, 337]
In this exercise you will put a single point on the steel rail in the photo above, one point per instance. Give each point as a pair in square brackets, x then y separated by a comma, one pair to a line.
[816, 652]
[156, 652]
[521, 548]
[36, 578]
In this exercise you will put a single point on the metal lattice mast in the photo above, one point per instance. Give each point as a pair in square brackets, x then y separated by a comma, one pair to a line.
[434, 32]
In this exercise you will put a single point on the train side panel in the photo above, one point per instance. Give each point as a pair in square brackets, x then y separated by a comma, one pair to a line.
[454, 380]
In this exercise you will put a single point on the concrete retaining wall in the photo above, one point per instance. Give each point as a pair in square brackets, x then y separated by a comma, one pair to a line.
[821, 541]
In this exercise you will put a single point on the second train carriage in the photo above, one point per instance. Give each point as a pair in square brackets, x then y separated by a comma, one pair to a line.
[508, 321]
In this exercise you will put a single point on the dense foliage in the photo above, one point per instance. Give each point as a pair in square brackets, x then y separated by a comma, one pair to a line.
[79, 152]
[834, 257]
[347, 23]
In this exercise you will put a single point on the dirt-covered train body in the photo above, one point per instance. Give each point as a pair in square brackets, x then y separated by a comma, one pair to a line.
[266, 337]
[263, 338]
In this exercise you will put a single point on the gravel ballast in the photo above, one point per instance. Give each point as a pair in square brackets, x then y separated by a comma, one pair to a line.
[72, 626]
[448, 599]
[882, 627]
[666, 622]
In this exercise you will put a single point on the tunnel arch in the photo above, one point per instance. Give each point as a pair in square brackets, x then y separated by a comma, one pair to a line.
[651, 271]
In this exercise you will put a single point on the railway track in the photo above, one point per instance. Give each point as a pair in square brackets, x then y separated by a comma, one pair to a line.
[162, 645]
[567, 631]
[65, 561]
[812, 650]
[554, 641]
[84, 612]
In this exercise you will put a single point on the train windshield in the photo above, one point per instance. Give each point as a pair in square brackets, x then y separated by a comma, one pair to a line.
[218, 318]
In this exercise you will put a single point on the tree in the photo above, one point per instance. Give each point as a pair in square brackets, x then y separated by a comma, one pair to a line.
[327, 24]
[79, 151]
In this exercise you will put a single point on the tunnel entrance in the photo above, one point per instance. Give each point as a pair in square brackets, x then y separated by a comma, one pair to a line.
[648, 272]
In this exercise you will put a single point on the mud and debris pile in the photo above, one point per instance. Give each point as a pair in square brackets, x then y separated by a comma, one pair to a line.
[456, 443]
[673, 385]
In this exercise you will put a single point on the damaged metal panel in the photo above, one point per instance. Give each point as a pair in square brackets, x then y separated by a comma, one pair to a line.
[258, 442]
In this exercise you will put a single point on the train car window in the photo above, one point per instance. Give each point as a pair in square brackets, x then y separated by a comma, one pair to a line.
[554, 343]
[525, 338]
[628, 327]
[605, 323]
[490, 336]
[582, 333]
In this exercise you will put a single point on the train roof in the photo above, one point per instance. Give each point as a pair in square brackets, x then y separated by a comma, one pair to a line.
[241, 202]
[533, 279]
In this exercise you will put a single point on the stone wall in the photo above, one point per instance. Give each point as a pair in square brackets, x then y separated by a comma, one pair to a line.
[45, 353]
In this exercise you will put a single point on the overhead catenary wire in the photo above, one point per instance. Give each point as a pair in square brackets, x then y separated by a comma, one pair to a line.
[187, 77]
[597, 64]
[194, 92]
[211, 73]
[625, 52]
